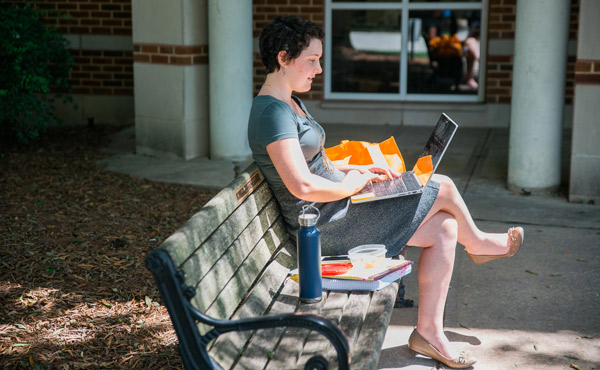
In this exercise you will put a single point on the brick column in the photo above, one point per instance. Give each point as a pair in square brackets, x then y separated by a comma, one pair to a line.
[584, 183]
[170, 40]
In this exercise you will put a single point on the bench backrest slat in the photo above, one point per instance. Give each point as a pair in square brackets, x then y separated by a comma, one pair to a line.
[226, 267]
[232, 293]
[227, 348]
[199, 227]
[210, 250]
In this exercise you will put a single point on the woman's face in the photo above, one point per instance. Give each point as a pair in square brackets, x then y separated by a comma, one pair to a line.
[301, 71]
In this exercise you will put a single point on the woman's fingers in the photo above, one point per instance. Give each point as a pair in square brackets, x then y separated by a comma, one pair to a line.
[357, 180]
[388, 172]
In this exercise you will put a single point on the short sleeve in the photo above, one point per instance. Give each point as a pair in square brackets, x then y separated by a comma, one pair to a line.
[274, 122]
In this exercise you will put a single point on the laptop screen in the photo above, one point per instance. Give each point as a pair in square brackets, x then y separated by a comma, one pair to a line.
[439, 139]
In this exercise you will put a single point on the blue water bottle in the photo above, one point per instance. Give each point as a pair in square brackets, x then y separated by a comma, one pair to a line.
[309, 256]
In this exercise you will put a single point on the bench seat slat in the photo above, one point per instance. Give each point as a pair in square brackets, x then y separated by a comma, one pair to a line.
[353, 315]
[367, 348]
[263, 342]
[317, 344]
[289, 349]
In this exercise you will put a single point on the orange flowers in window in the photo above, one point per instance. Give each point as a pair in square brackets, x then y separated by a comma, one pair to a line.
[446, 46]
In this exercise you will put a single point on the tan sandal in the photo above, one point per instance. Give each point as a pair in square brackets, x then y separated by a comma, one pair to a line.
[417, 343]
[516, 235]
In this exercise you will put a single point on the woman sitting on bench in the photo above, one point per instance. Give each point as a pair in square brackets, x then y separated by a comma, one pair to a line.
[287, 145]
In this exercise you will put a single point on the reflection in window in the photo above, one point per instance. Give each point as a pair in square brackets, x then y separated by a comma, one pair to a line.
[366, 51]
[440, 59]
[445, 53]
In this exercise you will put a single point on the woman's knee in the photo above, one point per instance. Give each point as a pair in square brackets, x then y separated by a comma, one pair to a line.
[449, 228]
[446, 229]
[443, 180]
[448, 188]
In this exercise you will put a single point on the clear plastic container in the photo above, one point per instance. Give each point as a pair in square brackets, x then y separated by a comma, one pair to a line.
[367, 255]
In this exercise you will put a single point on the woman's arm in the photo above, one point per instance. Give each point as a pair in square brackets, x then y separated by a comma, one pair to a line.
[291, 166]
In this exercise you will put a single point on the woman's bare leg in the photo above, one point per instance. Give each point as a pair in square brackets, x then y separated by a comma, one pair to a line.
[475, 241]
[437, 236]
[472, 56]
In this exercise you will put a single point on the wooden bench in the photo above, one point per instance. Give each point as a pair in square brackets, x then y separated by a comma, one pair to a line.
[223, 277]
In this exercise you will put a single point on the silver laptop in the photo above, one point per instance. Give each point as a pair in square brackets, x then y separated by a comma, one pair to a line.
[409, 183]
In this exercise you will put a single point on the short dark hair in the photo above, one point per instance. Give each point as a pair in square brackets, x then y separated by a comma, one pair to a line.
[291, 34]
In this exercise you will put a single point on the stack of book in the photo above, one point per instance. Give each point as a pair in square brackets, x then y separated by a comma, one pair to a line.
[338, 273]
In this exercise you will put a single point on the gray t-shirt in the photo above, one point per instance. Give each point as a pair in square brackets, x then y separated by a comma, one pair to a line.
[271, 120]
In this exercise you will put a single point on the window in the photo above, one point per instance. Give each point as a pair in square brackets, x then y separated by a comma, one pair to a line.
[367, 56]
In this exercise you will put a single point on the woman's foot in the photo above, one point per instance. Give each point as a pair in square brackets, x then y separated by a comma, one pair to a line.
[472, 84]
[419, 344]
[515, 239]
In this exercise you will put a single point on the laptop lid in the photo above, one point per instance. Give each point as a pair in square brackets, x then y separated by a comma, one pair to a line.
[439, 140]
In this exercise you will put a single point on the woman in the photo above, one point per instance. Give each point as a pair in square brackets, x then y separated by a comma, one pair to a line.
[287, 145]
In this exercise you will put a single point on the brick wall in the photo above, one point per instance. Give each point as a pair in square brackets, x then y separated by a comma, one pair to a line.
[501, 19]
[170, 54]
[102, 72]
[96, 71]
[97, 17]
[264, 11]
[501, 26]
[587, 72]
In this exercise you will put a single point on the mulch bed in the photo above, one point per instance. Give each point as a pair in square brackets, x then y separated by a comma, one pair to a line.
[74, 290]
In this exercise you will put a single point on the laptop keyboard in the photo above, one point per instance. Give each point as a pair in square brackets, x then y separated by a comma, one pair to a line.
[411, 182]
[406, 182]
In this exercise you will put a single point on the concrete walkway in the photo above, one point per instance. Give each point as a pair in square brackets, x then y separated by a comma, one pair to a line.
[537, 310]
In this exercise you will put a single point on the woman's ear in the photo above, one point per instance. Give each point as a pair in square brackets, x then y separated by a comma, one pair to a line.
[281, 58]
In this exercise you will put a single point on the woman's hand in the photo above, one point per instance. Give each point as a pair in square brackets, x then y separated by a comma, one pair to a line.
[384, 173]
[356, 180]
[387, 172]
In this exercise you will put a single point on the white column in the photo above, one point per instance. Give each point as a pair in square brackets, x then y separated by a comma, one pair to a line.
[230, 81]
[584, 184]
[540, 64]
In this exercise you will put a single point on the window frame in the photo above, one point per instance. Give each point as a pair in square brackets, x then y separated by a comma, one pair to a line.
[405, 6]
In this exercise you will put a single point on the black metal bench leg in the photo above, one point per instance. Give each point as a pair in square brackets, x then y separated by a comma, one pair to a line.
[400, 300]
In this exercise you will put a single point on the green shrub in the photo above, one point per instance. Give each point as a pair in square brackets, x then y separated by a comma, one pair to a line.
[34, 71]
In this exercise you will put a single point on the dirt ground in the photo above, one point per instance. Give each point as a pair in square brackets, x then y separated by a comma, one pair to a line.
[74, 290]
